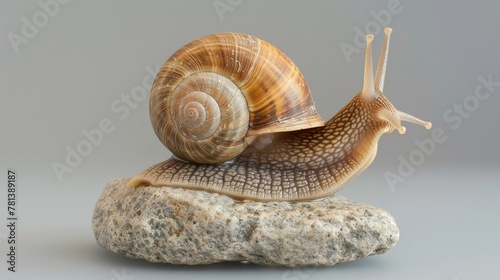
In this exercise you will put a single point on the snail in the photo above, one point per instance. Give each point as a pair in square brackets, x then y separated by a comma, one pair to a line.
[239, 118]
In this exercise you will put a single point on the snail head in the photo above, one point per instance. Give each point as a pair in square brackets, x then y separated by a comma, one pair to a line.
[382, 110]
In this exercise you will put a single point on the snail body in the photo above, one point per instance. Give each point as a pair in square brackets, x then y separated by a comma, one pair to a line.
[278, 159]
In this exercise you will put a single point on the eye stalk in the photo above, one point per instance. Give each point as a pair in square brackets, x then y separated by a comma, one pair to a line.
[373, 88]
[409, 118]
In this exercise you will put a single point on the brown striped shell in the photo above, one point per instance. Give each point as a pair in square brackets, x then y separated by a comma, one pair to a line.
[214, 93]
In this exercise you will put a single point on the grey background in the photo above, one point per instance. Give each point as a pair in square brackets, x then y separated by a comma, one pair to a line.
[67, 76]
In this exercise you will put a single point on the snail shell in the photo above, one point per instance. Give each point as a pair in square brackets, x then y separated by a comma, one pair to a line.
[214, 94]
[294, 165]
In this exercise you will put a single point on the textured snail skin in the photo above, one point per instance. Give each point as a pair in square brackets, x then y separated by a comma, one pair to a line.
[298, 165]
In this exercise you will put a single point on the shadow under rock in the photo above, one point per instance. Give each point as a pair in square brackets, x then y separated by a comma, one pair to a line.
[114, 259]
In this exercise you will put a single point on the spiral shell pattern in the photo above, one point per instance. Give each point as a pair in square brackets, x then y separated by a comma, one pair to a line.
[214, 92]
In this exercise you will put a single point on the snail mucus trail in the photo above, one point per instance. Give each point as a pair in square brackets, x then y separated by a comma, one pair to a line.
[305, 164]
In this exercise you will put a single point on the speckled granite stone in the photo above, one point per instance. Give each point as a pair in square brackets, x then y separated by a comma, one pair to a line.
[179, 226]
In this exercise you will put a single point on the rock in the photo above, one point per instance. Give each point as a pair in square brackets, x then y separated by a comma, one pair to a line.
[179, 226]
